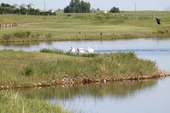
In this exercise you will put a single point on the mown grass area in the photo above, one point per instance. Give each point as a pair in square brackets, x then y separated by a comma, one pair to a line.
[14, 103]
[22, 67]
[86, 26]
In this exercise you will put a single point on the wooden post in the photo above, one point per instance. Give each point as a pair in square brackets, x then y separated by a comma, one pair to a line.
[101, 36]
[85, 35]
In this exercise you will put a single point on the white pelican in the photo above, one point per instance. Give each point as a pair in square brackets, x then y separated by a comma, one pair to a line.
[81, 50]
[72, 50]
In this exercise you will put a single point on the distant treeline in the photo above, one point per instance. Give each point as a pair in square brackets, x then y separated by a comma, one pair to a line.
[22, 9]
[80, 6]
[75, 6]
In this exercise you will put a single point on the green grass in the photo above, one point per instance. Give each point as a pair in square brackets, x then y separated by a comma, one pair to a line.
[87, 26]
[14, 103]
[22, 67]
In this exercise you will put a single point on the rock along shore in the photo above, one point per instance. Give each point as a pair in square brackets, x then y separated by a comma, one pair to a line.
[67, 81]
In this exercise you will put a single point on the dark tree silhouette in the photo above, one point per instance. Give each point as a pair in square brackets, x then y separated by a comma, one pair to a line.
[77, 6]
[22, 9]
[114, 10]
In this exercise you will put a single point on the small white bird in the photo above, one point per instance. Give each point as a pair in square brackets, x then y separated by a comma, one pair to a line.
[72, 50]
[90, 50]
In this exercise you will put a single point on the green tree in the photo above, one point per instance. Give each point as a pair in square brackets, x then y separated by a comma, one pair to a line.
[22, 9]
[77, 6]
[114, 10]
[85, 7]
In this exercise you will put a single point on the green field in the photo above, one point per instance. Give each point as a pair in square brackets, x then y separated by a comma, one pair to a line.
[86, 26]
[22, 67]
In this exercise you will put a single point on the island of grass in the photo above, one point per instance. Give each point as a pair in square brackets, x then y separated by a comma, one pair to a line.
[98, 26]
[15, 103]
[40, 69]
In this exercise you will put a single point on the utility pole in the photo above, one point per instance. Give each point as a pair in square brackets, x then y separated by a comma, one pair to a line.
[27, 7]
[135, 8]
[44, 5]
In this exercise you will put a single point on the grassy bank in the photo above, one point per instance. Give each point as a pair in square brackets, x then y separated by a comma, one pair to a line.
[14, 103]
[22, 67]
[85, 26]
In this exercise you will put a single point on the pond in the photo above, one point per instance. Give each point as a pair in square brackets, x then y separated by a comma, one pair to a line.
[119, 97]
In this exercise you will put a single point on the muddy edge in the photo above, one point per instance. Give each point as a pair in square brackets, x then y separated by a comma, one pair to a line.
[80, 80]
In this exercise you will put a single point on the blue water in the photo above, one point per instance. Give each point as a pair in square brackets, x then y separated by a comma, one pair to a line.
[150, 100]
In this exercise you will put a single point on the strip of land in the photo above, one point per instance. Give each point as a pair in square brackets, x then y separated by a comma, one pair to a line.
[21, 69]
[125, 25]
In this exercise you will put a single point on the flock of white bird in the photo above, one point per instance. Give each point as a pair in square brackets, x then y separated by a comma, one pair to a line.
[81, 50]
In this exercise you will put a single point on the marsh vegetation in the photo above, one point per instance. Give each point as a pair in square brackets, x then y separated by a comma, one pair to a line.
[22, 67]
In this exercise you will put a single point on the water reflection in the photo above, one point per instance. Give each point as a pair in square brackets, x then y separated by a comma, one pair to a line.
[115, 89]
[119, 97]
[96, 98]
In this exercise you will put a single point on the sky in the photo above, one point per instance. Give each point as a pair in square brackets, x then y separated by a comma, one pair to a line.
[102, 4]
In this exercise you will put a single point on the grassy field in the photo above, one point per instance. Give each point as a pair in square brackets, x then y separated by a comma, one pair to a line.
[14, 103]
[22, 67]
[86, 26]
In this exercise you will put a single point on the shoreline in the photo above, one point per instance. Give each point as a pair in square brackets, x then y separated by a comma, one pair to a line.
[32, 41]
[68, 81]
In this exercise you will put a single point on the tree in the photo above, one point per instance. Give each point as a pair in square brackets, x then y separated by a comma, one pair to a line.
[77, 6]
[85, 7]
[22, 9]
[114, 10]
[6, 8]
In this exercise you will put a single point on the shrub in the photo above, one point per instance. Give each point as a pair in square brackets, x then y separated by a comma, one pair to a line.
[24, 34]
[48, 35]
[52, 51]
[162, 31]
[27, 71]
[6, 36]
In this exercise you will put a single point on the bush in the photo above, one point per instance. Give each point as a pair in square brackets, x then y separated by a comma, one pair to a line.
[24, 34]
[27, 71]
[52, 51]
[162, 31]
[6, 36]
[48, 35]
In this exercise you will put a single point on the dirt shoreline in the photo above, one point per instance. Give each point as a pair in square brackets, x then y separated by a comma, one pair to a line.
[66, 81]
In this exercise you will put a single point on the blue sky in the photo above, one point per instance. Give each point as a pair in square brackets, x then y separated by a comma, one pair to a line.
[102, 4]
